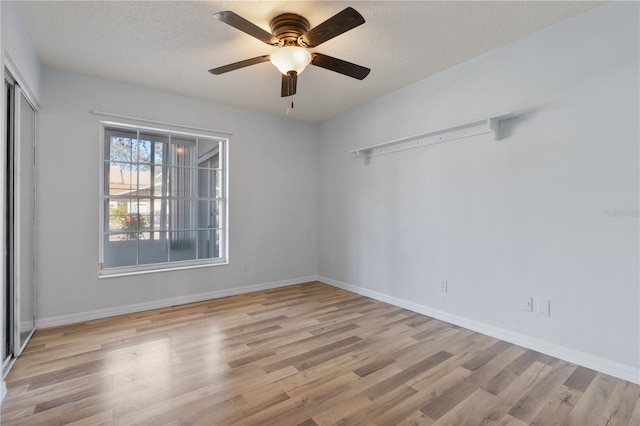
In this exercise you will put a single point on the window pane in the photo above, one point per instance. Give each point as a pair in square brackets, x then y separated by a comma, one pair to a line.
[144, 151]
[208, 214]
[122, 219]
[158, 219]
[143, 218]
[152, 147]
[123, 147]
[209, 183]
[118, 236]
[120, 253]
[218, 184]
[115, 212]
[182, 214]
[184, 152]
[182, 182]
[159, 154]
[208, 153]
[145, 181]
[183, 245]
[154, 250]
[158, 175]
[121, 178]
[208, 244]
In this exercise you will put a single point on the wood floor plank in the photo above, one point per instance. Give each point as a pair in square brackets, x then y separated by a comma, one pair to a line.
[399, 379]
[529, 404]
[507, 420]
[511, 372]
[341, 409]
[558, 407]
[433, 390]
[484, 408]
[96, 419]
[452, 397]
[470, 410]
[580, 379]
[593, 401]
[417, 418]
[307, 404]
[308, 354]
[635, 416]
[619, 406]
[379, 406]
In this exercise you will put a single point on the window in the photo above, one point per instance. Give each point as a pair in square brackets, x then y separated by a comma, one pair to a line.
[163, 200]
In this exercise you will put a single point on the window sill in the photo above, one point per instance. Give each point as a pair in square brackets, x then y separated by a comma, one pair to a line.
[152, 269]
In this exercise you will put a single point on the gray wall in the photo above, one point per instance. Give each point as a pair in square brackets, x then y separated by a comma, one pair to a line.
[272, 196]
[18, 51]
[524, 216]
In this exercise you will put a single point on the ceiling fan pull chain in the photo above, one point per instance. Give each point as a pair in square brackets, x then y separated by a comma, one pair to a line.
[289, 104]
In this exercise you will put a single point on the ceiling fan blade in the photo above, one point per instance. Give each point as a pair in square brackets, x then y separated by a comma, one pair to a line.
[340, 66]
[238, 65]
[238, 22]
[289, 84]
[342, 22]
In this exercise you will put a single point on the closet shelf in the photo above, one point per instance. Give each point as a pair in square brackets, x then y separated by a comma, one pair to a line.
[473, 128]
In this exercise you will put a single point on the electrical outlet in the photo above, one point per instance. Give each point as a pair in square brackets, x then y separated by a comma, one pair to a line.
[544, 307]
[526, 303]
[330, 262]
[443, 286]
[245, 266]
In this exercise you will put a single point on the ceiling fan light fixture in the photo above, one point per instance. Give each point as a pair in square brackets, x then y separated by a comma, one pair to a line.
[290, 58]
[290, 36]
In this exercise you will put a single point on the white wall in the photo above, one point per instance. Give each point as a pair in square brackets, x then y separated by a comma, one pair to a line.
[499, 220]
[18, 50]
[272, 198]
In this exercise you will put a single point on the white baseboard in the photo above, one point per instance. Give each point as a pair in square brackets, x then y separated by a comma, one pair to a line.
[622, 371]
[163, 303]
[3, 390]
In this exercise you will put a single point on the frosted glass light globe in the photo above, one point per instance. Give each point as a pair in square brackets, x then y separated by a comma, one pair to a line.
[290, 58]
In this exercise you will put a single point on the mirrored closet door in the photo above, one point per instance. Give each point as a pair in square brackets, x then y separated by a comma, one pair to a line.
[19, 280]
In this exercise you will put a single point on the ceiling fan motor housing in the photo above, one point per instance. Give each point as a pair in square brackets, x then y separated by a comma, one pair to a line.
[288, 27]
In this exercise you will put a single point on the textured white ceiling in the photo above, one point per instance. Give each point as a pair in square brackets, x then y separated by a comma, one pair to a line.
[169, 45]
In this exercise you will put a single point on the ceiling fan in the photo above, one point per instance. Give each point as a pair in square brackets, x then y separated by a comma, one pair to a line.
[291, 33]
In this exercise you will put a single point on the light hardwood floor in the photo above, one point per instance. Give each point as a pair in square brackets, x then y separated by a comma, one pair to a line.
[301, 355]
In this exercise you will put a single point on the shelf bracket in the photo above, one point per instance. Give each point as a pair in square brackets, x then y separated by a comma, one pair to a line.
[494, 124]
[362, 156]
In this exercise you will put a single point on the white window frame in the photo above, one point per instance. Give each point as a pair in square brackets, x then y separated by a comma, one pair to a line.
[222, 259]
